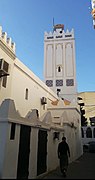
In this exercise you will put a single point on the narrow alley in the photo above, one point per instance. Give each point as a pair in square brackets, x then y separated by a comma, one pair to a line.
[82, 168]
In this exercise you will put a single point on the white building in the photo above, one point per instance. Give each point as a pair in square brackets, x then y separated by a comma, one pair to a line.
[33, 118]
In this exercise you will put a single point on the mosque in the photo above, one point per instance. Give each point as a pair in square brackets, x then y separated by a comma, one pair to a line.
[34, 115]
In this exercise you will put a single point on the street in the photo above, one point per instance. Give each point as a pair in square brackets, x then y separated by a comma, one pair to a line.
[82, 168]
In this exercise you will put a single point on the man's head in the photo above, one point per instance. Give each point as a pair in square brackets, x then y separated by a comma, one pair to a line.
[63, 138]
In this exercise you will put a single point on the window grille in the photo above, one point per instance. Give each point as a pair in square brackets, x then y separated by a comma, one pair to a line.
[59, 82]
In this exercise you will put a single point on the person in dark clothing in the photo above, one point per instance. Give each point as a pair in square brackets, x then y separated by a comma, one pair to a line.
[63, 154]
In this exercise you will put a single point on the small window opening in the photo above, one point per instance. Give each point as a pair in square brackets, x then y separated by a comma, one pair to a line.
[82, 132]
[4, 82]
[26, 94]
[89, 132]
[59, 69]
[5, 70]
[12, 135]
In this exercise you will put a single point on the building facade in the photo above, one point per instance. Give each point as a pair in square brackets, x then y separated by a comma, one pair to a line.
[88, 130]
[33, 119]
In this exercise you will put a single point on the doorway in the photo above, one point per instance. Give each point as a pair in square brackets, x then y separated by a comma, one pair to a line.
[24, 151]
[42, 152]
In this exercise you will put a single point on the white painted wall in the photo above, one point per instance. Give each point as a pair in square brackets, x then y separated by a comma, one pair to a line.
[37, 89]
[11, 154]
[52, 152]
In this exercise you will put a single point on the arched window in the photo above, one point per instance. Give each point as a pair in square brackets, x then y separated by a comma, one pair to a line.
[82, 132]
[94, 132]
[89, 132]
[26, 94]
[59, 69]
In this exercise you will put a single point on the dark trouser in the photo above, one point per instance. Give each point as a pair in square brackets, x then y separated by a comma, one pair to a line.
[63, 163]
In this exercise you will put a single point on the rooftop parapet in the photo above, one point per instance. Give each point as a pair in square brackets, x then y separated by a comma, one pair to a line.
[59, 34]
[7, 41]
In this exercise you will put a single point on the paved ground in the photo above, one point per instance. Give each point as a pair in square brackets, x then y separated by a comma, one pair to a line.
[82, 168]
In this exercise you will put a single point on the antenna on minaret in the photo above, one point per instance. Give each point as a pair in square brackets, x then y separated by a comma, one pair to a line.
[53, 23]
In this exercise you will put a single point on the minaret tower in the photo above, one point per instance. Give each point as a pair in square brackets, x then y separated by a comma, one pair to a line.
[59, 62]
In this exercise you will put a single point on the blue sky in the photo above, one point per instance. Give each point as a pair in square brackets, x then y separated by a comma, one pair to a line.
[25, 21]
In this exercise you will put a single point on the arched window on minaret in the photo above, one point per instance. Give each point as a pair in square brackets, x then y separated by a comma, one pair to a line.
[59, 68]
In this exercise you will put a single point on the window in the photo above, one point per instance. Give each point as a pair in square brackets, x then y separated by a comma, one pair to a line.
[69, 82]
[69, 35]
[59, 82]
[82, 132]
[4, 67]
[50, 37]
[4, 81]
[12, 135]
[59, 69]
[59, 36]
[92, 121]
[26, 94]
[61, 32]
[49, 83]
[89, 132]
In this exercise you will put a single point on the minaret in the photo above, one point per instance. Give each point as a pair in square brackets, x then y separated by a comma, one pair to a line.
[59, 62]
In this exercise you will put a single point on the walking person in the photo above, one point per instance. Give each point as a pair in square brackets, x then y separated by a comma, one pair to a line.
[63, 154]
